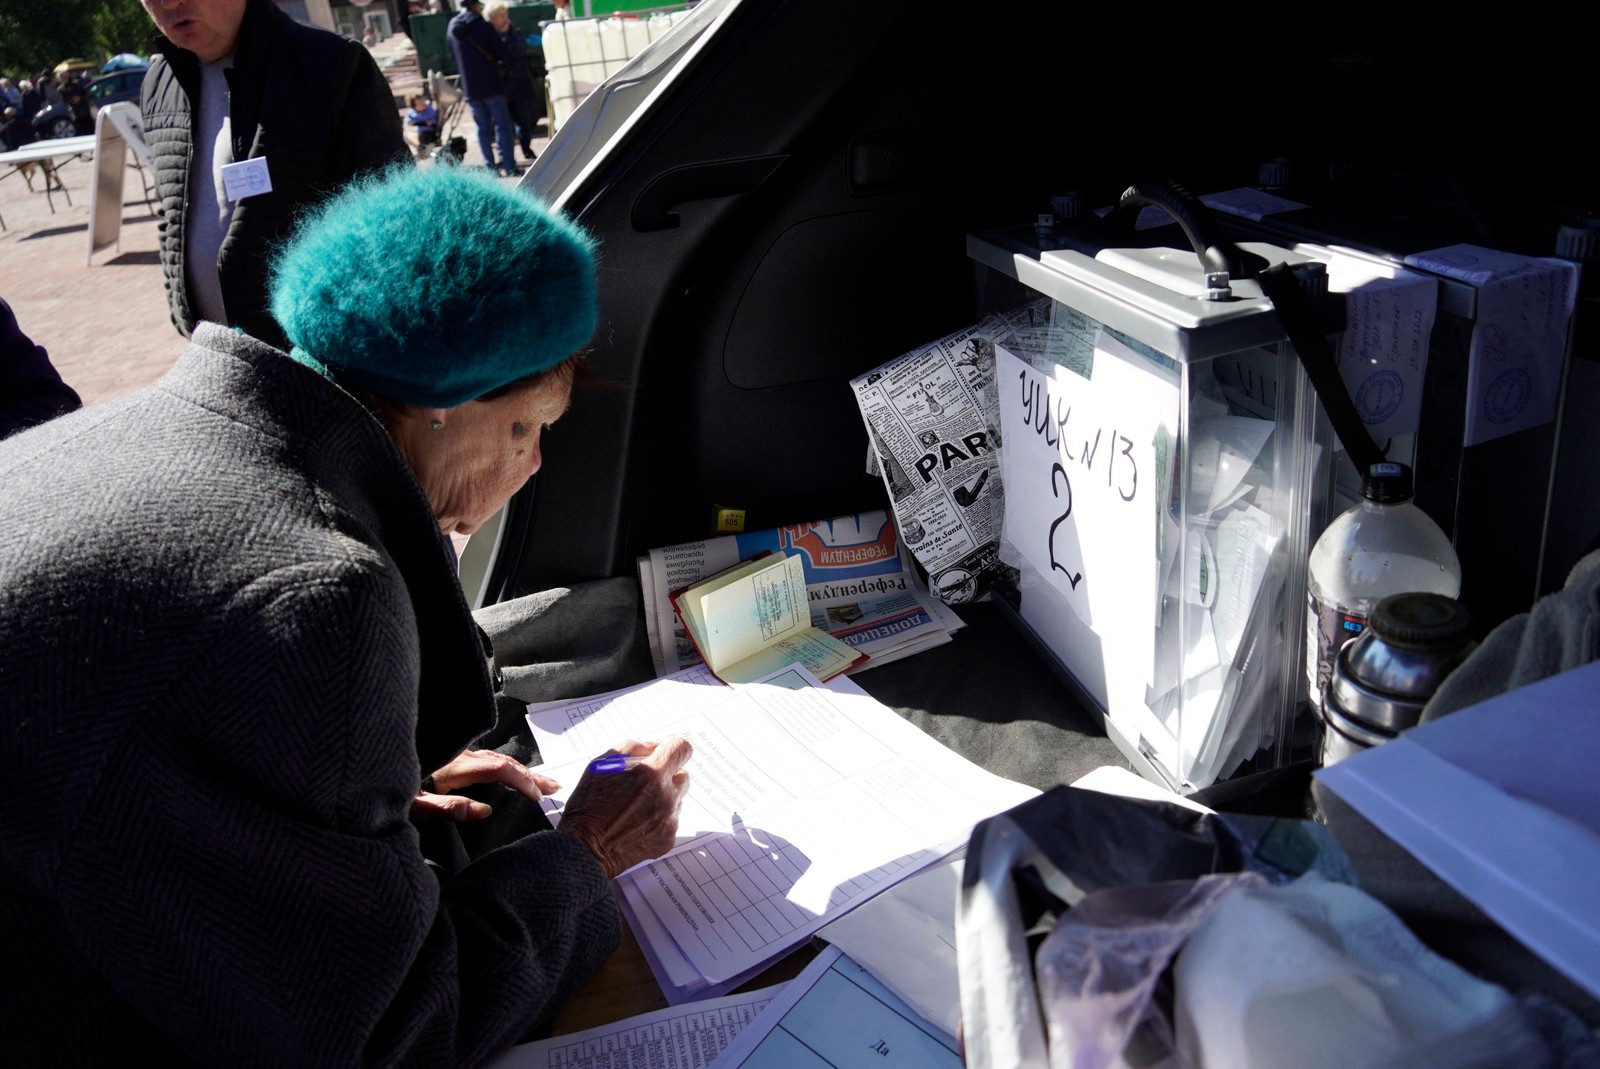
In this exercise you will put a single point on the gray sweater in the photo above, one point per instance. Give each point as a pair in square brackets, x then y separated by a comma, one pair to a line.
[231, 641]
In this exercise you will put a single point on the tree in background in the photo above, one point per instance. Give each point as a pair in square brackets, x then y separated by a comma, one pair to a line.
[36, 36]
[121, 26]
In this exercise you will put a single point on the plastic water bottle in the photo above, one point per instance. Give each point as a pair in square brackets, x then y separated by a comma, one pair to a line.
[1385, 545]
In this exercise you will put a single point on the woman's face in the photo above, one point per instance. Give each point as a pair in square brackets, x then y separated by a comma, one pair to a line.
[484, 451]
[500, 20]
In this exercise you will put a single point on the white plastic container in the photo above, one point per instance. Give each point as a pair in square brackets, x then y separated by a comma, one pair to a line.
[1384, 545]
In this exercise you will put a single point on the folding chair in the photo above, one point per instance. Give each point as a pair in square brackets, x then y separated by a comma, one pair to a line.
[445, 93]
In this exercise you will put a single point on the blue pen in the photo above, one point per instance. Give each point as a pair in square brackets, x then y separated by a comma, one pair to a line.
[613, 762]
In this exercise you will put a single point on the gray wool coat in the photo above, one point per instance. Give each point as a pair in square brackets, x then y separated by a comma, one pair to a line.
[231, 641]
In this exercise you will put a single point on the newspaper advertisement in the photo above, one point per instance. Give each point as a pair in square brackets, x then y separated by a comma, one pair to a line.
[862, 588]
[932, 419]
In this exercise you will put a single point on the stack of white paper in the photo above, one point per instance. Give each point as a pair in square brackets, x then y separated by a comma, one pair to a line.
[804, 801]
[687, 1038]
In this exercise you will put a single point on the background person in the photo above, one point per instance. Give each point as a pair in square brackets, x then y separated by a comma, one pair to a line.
[75, 95]
[237, 80]
[15, 131]
[519, 79]
[423, 117]
[235, 642]
[32, 101]
[45, 84]
[481, 59]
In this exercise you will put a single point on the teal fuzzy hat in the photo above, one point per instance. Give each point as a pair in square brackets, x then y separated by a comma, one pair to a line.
[433, 286]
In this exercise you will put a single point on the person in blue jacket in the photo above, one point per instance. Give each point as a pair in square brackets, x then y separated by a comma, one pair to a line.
[423, 117]
[481, 59]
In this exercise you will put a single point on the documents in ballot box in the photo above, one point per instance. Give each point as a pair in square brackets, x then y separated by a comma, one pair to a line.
[860, 587]
[750, 620]
[805, 800]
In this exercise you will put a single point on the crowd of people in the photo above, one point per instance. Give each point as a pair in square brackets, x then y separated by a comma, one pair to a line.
[22, 101]
[251, 818]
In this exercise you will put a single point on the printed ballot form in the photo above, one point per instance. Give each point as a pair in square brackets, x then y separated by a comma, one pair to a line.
[804, 800]
[575, 730]
[690, 1037]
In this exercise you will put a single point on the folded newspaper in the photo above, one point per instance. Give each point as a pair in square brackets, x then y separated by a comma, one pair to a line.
[933, 421]
[862, 587]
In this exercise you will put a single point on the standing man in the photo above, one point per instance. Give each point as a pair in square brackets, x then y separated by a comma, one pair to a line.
[251, 119]
[32, 101]
[481, 58]
[75, 95]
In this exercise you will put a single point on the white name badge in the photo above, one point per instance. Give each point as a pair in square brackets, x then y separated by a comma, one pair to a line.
[246, 178]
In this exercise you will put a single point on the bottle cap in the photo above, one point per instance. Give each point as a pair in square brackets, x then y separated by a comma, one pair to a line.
[1273, 173]
[1067, 205]
[1579, 241]
[1387, 483]
[1421, 621]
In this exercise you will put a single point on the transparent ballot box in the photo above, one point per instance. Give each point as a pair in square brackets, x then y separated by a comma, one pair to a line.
[1163, 481]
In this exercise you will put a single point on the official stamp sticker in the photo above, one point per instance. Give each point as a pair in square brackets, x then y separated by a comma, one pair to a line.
[1507, 395]
[1379, 396]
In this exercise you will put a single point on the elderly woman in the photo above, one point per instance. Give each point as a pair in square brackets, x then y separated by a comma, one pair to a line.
[238, 671]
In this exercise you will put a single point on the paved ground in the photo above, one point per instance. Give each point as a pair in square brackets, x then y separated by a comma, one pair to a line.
[104, 323]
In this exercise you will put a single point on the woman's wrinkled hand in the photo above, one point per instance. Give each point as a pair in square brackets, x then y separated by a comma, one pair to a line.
[628, 817]
[476, 766]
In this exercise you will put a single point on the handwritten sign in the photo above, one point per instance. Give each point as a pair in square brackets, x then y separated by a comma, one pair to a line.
[1519, 336]
[1083, 494]
[1383, 356]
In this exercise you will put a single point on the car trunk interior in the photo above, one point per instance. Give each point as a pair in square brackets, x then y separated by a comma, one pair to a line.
[794, 211]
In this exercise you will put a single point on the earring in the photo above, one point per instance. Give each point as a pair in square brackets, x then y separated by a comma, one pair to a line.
[436, 425]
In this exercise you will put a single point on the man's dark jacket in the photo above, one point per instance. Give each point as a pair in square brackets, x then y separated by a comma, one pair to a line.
[312, 103]
[479, 55]
[234, 639]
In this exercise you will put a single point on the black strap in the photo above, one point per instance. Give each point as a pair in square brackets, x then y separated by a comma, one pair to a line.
[1299, 318]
